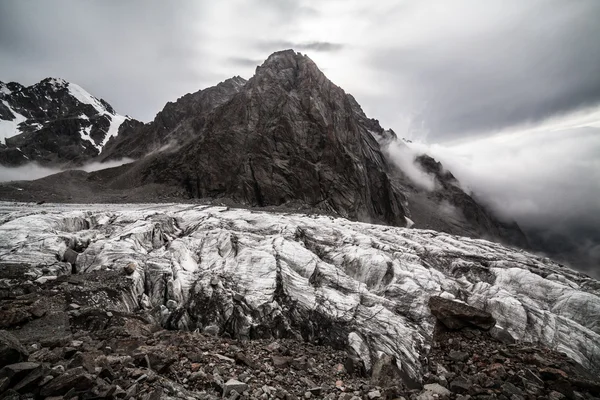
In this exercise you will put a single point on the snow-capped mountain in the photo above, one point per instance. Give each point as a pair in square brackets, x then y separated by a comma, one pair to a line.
[53, 122]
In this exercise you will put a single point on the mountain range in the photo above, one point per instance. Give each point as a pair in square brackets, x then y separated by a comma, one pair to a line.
[287, 137]
[303, 251]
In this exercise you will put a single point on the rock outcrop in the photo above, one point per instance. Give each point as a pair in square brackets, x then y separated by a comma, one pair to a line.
[456, 315]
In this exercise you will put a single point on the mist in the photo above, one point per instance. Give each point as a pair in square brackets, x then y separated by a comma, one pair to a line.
[33, 171]
[546, 177]
[404, 157]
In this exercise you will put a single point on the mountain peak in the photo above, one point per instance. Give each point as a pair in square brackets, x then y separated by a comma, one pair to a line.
[288, 69]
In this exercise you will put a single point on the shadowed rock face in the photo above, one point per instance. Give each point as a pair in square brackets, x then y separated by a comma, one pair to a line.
[288, 135]
[455, 315]
[176, 123]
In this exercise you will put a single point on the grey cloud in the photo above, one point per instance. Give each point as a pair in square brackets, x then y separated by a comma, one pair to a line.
[243, 61]
[314, 46]
[137, 55]
[543, 62]
[548, 181]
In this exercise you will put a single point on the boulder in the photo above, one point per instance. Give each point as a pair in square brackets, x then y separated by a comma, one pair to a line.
[130, 268]
[456, 315]
[11, 350]
[16, 372]
[77, 379]
[70, 256]
[385, 372]
[232, 385]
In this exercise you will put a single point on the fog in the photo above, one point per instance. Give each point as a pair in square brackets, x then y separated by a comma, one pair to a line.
[546, 177]
[34, 171]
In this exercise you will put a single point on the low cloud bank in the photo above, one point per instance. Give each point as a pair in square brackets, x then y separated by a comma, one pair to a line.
[404, 158]
[546, 177]
[34, 171]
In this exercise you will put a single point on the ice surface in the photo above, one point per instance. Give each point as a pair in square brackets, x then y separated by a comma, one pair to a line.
[362, 285]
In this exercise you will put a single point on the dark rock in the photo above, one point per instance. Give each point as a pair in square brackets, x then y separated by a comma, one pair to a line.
[77, 379]
[385, 372]
[4, 384]
[11, 350]
[10, 394]
[562, 386]
[460, 385]
[509, 389]
[70, 256]
[456, 315]
[315, 391]
[30, 382]
[459, 356]
[16, 372]
[281, 361]
[551, 374]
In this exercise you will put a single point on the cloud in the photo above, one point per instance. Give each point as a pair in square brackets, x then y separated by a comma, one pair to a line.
[34, 171]
[404, 157]
[544, 176]
[447, 69]
[299, 46]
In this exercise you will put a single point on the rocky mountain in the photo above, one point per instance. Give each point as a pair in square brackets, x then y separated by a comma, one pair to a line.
[288, 137]
[403, 312]
[53, 122]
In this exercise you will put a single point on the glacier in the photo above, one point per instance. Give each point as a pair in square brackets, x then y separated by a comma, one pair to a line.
[258, 274]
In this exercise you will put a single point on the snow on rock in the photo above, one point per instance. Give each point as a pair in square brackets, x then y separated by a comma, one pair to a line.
[10, 128]
[355, 285]
[115, 119]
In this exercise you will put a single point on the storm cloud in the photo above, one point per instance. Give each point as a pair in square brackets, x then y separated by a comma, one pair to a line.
[505, 92]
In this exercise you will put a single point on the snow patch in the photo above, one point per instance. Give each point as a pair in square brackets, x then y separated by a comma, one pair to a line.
[115, 119]
[10, 128]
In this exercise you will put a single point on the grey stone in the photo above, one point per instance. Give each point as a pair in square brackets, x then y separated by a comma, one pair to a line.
[11, 350]
[436, 388]
[234, 384]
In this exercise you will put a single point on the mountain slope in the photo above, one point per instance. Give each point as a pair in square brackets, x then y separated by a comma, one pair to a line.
[53, 122]
[176, 123]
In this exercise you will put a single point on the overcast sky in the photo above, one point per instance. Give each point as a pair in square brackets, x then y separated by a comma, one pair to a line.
[506, 91]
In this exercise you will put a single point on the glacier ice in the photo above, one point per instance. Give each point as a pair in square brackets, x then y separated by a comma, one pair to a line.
[261, 274]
